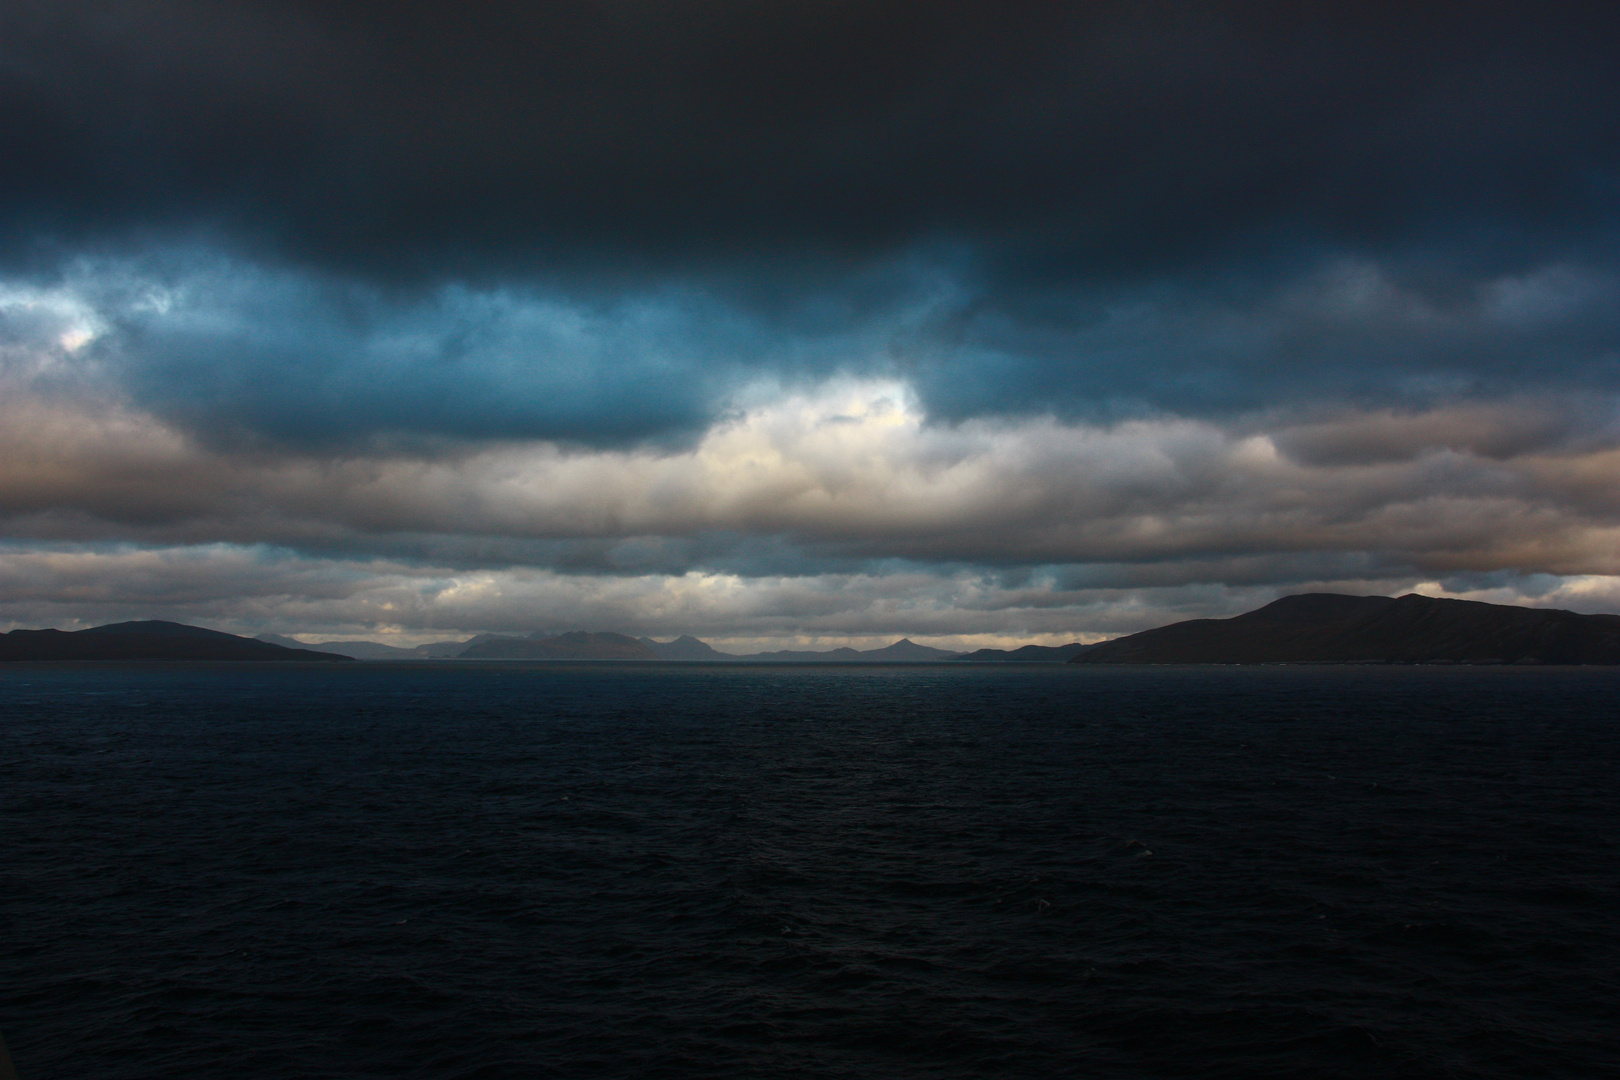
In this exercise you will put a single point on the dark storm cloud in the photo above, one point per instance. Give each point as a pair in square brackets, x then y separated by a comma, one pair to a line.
[595, 221]
[409, 140]
[239, 353]
[1341, 330]
[314, 362]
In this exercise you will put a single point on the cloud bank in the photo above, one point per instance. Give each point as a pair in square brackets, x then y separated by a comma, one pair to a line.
[802, 322]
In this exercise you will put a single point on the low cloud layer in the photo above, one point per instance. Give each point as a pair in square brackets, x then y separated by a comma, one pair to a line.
[839, 509]
[251, 589]
[853, 471]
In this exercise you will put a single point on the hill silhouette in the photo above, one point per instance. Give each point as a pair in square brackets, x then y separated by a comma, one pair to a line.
[576, 645]
[146, 640]
[1025, 653]
[1412, 629]
[685, 647]
[904, 650]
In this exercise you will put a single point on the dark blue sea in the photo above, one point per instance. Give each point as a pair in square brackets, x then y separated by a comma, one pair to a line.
[727, 871]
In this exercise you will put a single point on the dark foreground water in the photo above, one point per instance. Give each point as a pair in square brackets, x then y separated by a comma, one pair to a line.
[515, 870]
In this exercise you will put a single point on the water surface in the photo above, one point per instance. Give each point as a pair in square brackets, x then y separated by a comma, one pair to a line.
[618, 870]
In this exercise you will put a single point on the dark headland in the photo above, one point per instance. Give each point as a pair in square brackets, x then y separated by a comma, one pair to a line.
[151, 640]
[1327, 628]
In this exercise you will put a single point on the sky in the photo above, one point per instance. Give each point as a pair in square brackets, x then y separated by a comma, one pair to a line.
[808, 323]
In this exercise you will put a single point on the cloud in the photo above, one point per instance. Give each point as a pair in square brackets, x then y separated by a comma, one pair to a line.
[416, 141]
[252, 589]
[805, 515]
[851, 472]
[1099, 310]
[232, 352]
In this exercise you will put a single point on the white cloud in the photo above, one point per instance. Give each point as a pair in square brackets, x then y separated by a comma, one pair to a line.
[853, 467]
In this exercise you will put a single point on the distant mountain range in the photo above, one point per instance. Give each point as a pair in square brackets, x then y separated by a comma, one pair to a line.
[158, 640]
[371, 650]
[685, 647]
[580, 645]
[1026, 653]
[577, 645]
[1331, 628]
[1313, 628]
[583, 645]
[904, 649]
[149, 640]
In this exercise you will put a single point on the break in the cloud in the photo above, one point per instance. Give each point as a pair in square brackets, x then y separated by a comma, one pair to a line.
[803, 321]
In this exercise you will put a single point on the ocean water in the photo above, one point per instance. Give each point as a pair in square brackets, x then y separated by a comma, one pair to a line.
[616, 870]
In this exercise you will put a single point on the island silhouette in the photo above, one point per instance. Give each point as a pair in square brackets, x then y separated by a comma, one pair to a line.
[1331, 628]
[1310, 628]
[146, 640]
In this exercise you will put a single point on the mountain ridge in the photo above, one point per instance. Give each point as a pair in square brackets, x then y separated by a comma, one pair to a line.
[574, 645]
[594, 645]
[1027, 653]
[1341, 629]
[685, 647]
[375, 650]
[154, 639]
